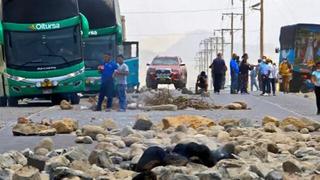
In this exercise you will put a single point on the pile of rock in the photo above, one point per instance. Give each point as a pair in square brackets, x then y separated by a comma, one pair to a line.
[26, 127]
[182, 147]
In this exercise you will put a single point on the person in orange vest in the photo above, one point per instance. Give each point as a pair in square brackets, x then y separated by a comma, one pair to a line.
[285, 70]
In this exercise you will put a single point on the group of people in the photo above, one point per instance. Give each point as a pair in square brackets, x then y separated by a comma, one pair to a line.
[113, 82]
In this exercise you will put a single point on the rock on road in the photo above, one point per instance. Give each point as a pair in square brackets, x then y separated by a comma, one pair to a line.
[279, 106]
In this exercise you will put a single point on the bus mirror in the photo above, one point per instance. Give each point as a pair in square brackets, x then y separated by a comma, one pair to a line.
[84, 26]
[1, 33]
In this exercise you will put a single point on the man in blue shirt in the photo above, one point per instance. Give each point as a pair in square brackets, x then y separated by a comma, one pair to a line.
[234, 72]
[107, 83]
[265, 72]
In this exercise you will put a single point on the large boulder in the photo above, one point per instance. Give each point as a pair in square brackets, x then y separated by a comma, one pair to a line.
[29, 129]
[46, 143]
[188, 120]
[300, 123]
[27, 173]
[101, 159]
[92, 131]
[142, 123]
[65, 126]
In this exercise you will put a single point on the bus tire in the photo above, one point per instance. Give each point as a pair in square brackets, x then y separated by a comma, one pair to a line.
[3, 101]
[74, 98]
[56, 99]
[12, 102]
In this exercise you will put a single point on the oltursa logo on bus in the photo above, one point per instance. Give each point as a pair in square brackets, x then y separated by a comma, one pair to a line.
[43, 26]
[93, 33]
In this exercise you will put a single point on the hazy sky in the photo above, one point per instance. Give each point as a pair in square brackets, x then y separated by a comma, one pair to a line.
[158, 24]
[175, 19]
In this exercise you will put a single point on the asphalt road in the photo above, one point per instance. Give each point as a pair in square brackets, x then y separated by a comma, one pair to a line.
[279, 106]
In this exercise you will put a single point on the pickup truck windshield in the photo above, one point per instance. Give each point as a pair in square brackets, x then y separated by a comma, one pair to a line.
[165, 61]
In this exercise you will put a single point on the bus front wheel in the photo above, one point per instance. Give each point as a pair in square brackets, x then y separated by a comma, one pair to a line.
[12, 101]
[3, 101]
[74, 98]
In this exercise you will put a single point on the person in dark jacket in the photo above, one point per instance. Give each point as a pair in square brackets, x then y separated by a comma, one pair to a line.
[218, 67]
[202, 83]
[244, 69]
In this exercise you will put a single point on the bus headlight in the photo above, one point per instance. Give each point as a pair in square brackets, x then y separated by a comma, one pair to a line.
[55, 83]
[38, 84]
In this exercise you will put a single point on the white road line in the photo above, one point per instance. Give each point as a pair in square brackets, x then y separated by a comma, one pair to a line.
[42, 111]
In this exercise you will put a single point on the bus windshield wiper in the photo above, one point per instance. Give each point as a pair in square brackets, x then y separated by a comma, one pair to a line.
[60, 56]
[37, 61]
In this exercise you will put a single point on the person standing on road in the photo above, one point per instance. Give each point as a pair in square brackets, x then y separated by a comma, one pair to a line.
[244, 73]
[218, 67]
[259, 74]
[121, 82]
[265, 73]
[107, 82]
[316, 81]
[273, 77]
[285, 70]
[234, 72]
[253, 78]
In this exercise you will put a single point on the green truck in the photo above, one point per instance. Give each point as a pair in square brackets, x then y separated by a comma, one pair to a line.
[106, 36]
[41, 50]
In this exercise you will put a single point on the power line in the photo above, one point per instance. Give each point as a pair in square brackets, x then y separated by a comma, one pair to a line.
[181, 11]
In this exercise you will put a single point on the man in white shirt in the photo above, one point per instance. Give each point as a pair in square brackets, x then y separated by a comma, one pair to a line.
[121, 82]
[273, 76]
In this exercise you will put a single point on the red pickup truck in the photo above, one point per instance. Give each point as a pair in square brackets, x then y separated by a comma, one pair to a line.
[166, 70]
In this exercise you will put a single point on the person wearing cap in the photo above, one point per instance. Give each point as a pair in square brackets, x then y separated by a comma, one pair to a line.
[265, 73]
[285, 70]
[107, 82]
[234, 72]
[316, 81]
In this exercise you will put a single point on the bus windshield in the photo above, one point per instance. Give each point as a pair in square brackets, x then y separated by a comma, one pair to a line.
[96, 47]
[43, 49]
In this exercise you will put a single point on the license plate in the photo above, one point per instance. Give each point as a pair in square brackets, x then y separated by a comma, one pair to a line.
[163, 76]
[47, 91]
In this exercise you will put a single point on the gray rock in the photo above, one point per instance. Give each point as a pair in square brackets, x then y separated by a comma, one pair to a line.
[6, 174]
[18, 157]
[84, 140]
[119, 143]
[116, 159]
[27, 173]
[62, 172]
[27, 152]
[274, 175]
[125, 165]
[58, 161]
[109, 124]
[179, 176]
[77, 153]
[6, 160]
[246, 123]
[131, 140]
[290, 128]
[41, 151]
[302, 152]
[209, 175]
[92, 131]
[291, 167]
[127, 131]
[304, 131]
[175, 160]
[46, 143]
[48, 132]
[37, 161]
[182, 128]
[143, 124]
[101, 159]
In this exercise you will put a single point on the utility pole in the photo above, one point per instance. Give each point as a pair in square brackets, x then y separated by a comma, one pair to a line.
[232, 28]
[262, 28]
[261, 9]
[244, 26]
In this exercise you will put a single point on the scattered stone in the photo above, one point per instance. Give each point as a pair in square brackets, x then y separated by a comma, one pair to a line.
[77, 153]
[300, 123]
[223, 136]
[229, 122]
[6, 160]
[37, 161]
[233, 106]
[101, 159]
[127, 131]
[186, 91]
[109, 124]
[92, 131]
[291, 167]
[175, 160]
[290, 128]
[274, 175]
[270, 119]
[304, 131]
[65, 105]
[65, 125]
[41, 151]
[245, 123]
[84, 140]
[27, 173]
[152, 157]
[244, 105]
[235, 132]
[165, 107]
[29, 129]
[188, 120]
[23, 120]
[45, 143]
[62, 172]
[48, 132]
[143, 123]
[273, 148]
[270, 127]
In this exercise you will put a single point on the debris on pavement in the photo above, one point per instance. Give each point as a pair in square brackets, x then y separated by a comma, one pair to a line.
[65, 105]
[187, 146]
